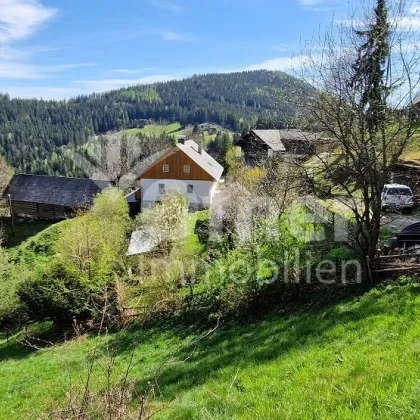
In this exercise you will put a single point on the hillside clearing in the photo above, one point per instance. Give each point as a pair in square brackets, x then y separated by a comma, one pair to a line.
[153, 129]
[358, 359]
[172, 129]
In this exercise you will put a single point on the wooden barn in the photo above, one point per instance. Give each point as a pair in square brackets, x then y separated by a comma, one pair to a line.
[50, 197]
[259, 144]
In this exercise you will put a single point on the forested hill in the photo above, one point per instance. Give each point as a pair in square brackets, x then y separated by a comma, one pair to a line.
[32, 132]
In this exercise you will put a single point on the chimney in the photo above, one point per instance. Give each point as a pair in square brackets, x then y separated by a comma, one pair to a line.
[200, 146]
[181, 139]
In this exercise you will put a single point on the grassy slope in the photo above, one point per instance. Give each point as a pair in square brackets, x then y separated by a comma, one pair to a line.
[174, 129]
[33, 241]
[412, 151]
[153, 129]
[358, 359]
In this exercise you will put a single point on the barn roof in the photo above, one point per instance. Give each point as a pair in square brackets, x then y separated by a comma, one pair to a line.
[275, 138]
[271, 138]
[298, 135]
[54, 190]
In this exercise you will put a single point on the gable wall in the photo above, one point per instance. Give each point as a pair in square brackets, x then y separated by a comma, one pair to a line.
[176, 162]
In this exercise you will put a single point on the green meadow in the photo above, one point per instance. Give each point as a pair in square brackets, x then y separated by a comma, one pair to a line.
[358, 358]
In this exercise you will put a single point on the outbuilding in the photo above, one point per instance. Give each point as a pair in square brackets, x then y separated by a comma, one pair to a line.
[51, 197]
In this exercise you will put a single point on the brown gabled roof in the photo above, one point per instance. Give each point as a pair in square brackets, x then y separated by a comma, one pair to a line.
[203, 159]
[190, 148]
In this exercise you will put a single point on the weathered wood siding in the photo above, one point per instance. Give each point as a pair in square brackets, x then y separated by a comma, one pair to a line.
[176, 162]
[41, 211]
[22, 207]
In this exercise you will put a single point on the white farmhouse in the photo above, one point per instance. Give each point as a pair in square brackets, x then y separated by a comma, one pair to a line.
[185, 168]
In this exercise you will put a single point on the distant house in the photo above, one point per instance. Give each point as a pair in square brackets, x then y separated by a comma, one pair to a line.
[205, 126]
[416, 104]
[50, 197]
[186, 168]
[258, 144]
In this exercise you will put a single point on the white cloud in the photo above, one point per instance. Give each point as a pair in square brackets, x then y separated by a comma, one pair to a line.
[102, 85]
[20, 18]
[171, 7]
[281, 63]
[311, 2]
[401, 24]
[316, 5]
[9, 53]
[174, 36]
[127, 71]
[20, 70]
[408, 23]
[45, 92]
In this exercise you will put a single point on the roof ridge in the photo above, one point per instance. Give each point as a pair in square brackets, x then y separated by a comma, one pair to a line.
[63, 177]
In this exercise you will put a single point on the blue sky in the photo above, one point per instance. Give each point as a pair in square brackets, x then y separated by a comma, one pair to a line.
[61, 48]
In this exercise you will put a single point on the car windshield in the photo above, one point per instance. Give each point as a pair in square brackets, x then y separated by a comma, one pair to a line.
[398, 191]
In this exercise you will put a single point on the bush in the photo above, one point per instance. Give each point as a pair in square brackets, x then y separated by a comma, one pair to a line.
[59, 295]
[11, 312]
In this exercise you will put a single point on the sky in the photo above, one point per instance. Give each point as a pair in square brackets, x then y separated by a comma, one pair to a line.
[62, 48]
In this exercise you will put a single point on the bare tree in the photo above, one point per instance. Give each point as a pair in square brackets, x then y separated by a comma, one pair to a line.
[117, 157]
[362, 73]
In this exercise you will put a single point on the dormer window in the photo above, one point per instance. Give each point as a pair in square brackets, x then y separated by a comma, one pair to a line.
[187, 169]
[165, 168]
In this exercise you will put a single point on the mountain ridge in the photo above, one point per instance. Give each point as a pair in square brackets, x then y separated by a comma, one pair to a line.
[33, 131]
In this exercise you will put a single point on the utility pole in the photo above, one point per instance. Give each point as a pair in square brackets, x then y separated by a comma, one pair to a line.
[11, 214]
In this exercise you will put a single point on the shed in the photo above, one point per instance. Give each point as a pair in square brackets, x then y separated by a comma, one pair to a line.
[141, 243]
[51, 197]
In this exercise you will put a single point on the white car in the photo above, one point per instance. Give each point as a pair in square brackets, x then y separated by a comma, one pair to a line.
[397, 196]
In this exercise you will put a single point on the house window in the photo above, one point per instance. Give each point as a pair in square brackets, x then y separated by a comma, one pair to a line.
[161, 188]
[165, 168]
[190, 189]
[187, 169]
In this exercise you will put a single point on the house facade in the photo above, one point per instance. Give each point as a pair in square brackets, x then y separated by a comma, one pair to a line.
[185, 168]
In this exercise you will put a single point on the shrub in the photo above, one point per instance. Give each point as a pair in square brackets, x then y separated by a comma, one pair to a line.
[59, 295]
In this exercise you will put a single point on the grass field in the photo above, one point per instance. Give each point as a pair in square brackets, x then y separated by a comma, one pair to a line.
[154, 129]
[356, 359]
[174, 129]
[412, 151]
